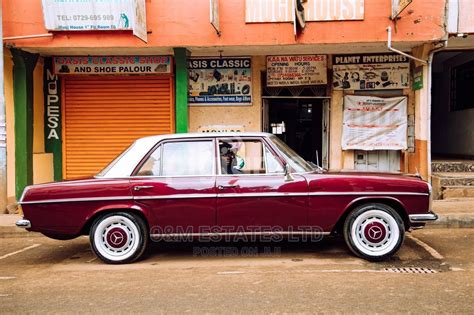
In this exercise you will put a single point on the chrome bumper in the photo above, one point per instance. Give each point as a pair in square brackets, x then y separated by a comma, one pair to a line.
[422, 218]
[25, 224]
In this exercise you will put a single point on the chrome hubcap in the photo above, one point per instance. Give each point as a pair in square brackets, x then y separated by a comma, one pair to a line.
[375, 232]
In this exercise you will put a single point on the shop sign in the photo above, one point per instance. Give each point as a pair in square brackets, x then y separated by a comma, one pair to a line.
[96, 15]
[418, 79]
[273, 11]
[110, 65]
[214, 16]
[398, 6]
[374, 123]
[52, 116]
[371, 72]
[220, 81]
[221, 128]
[296, 70]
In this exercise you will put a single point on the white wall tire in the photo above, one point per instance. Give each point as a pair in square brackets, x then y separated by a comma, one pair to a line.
[118, 238]
[374, 231]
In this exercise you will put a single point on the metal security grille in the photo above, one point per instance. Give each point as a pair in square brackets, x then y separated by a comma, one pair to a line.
[410, 270]
[104, 115]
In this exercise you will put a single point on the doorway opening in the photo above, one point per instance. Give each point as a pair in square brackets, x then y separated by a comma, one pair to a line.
[302, 123]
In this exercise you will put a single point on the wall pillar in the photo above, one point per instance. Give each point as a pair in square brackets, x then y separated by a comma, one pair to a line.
[181, 95]
[23, 65]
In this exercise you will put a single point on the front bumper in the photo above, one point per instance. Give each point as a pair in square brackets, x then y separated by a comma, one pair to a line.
[25, 224]
[423, 218]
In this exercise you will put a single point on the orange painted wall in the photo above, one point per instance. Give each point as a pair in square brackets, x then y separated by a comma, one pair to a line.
[185, 23]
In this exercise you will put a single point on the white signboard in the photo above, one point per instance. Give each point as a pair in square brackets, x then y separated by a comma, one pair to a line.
[220, 81]
[274, 11]
[374, 123]
[221, 128]
[96, 15]
[398, 6]
[109, 65]
[296, 70]
[371, 72]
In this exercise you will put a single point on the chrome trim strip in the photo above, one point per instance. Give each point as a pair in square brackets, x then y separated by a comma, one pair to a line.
[24, 224]
[262, 194]
[425, 217]
[75, 200]
[176, 196]
[242, 233]
[370, 193]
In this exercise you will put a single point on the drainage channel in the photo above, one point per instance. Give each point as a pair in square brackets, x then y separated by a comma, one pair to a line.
[410, 270]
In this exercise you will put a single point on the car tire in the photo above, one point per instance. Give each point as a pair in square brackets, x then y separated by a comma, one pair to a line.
[374, 231]
[119, 237]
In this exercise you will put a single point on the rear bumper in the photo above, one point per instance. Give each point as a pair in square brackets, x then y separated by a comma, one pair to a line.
[423, 218]
[25, 224]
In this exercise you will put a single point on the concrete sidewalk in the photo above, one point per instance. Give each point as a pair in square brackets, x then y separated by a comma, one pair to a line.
[453, 213]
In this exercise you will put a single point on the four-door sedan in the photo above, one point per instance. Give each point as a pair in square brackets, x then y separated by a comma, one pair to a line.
[225, 184]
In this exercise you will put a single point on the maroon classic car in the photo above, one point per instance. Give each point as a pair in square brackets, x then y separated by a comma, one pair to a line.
[225, 184]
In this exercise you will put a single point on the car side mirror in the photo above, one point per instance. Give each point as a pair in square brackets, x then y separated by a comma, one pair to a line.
[288, 176]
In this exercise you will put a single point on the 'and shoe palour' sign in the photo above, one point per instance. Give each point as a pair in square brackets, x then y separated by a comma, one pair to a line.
[271, 11]
[96, 15]
[110, 65]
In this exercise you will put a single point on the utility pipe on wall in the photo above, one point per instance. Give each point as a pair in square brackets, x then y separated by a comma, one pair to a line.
[389, 46]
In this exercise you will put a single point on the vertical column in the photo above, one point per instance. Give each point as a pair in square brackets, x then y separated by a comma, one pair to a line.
[24, 64]
[181, 95]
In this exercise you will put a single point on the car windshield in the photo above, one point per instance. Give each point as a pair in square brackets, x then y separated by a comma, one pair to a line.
[296, 161]
[112, 164]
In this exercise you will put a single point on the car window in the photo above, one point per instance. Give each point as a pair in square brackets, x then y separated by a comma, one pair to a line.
[246, 157]
[188, 158]
[152, 166]
[295, 161]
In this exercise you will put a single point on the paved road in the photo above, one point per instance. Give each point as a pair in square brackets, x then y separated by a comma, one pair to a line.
[42, 275]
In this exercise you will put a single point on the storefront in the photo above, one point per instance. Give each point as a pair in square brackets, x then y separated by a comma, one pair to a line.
[107, 103]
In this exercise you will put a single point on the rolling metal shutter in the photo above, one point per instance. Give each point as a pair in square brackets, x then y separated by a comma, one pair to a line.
[103, 115]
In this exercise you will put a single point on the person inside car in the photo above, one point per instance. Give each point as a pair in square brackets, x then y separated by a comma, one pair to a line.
[228, 159]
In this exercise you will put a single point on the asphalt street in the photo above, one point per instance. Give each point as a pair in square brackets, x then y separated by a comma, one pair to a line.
[433, 272]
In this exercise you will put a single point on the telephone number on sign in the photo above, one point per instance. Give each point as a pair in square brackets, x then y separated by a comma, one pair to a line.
[92, 17]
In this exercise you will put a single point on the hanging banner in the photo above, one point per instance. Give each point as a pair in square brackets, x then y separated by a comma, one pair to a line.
[273, 11]
[374, 123]
[296, 70]
[52, 117]
[96, 15]
[107, 65]
[371, 72]
[220, 81]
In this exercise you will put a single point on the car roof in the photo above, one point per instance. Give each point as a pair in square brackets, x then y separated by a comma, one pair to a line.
[205, 134]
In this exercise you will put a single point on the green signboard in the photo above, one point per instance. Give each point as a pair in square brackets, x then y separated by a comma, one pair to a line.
[418, 78]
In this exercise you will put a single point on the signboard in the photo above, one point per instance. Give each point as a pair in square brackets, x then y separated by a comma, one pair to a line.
[214, 15]
[221, 128]
[96, 15]
[374, 123]
[273, 11]
[466, 18]
[107, 65]
[220, 81]
[296, 70]
[398, 6]
[418, 79]
[52, 116]
[371, 72]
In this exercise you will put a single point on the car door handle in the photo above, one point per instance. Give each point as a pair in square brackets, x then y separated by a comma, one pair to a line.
[138, 188]
[221, 187]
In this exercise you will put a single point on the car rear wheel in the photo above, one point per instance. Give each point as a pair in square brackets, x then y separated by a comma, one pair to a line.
[118, 238]
[374, 231]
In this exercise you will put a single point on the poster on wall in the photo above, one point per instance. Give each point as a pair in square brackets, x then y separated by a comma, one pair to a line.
[296, 70]
[96, 15]
[110, 65]
[220, 81]
[371, 72]
[374, 123]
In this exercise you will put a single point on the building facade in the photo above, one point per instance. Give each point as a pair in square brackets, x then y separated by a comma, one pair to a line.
[328, 85]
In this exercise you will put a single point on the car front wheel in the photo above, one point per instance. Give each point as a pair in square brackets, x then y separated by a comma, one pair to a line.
[374, 231]
[118, 238]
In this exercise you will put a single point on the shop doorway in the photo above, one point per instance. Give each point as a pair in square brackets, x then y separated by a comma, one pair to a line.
[302, 123]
